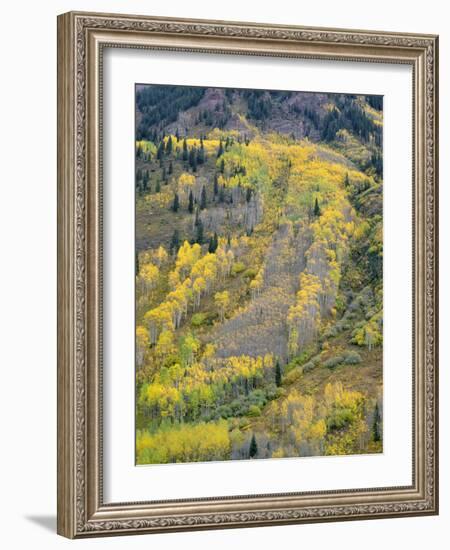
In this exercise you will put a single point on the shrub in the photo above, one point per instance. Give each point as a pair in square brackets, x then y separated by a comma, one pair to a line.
[198, 319]
[352, 358]
[224, 411]
[254, 410]
[333, 362]
[251, 272]
[331, 332]
[340, 418]
[309, 366]
[271, 391]
[238, 267]
[257, 397]
[294, 375]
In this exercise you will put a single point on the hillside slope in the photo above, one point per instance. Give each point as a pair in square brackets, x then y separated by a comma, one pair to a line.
[258, 274]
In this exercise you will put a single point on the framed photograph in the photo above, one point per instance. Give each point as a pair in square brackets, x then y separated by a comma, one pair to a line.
[247, 277]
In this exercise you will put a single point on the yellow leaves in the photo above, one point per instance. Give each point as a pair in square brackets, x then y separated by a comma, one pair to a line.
[176, 373]
[369, 335]
[199, 285]
[218, 135]
[174, 278]
[186, 180]
[160, 316]
[142, 342]
[257, 283]
[318, 429]
[184, 443]
[187, 256]
[304, 317]
[222, 301]
[186, 184]
[165, 345]
[221, 181]
[141, 336]
[335, 395]
[278, 453]
[148, 276]
[146, 146]
[209, 351]
[161, 255]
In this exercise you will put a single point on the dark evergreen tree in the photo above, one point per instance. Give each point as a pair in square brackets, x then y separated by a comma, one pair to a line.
[197, 218]
[145, 180]
[136, 269]
[164, 175]
[346, 180]
[203, 198]
[253, 449]
[277, 373]
[376, 428]
[160, 151]
[375, 101]
[175, 242]
[222, 166]
[216, 185]
[248, 194]
[199, 238]
[201, 157]
[221, 194]
[158, 187]
[191, 202]
[185, 150]
[213, 243]
[171, 168]
[169, 146]
[316, 208]
[193, 159]
[177, 135]
[220, 151]
[377, 162]
[176, 203]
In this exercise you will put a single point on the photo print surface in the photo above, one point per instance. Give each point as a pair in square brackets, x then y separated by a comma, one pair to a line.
[259, 274]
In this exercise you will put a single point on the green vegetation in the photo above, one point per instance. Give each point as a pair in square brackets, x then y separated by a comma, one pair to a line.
[258, 274]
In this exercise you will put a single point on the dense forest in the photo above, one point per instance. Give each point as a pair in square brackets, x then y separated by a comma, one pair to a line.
[259, 261]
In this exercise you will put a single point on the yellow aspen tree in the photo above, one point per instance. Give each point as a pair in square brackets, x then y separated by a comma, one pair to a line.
[222, 301]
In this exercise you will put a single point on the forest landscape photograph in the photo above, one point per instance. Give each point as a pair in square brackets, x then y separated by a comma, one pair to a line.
[259, 274]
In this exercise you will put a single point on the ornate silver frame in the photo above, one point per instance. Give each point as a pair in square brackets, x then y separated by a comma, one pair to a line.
[81, 39]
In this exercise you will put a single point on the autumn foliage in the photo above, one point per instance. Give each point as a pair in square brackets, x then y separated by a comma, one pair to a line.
[258, 287]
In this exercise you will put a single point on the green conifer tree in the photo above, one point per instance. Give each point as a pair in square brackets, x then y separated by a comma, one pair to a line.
[176, 203]
[277, 374]
[199, 238]
[160, 151]
[203, 199]
[316, 208]
[253, 449]
[169, 146]
[191, 202]
[376, 432]
[175, 242]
